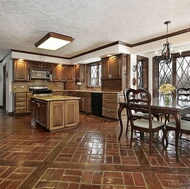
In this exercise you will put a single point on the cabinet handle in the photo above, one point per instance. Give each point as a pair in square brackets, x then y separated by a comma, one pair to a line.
[108, 101]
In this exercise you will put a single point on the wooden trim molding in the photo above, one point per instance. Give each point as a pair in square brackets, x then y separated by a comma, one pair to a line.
[110, 44]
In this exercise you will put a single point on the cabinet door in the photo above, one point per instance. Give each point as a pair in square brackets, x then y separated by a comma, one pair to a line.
[105, 66]
[115, 66]
[33, 65]
[55, 73]
[71, 113]
[57, 115]
[28, 99]
[70, 70]
[59, 73]
[63, 73]
[32, 108]
[20, 70]
[80, 72]
[87, 104]
[43, 114]
[46, 66]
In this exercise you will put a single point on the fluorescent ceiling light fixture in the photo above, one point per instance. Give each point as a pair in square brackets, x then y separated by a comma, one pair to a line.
[53, 41]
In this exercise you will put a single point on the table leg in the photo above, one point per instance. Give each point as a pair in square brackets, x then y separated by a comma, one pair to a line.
[177, 119]
[120, 120]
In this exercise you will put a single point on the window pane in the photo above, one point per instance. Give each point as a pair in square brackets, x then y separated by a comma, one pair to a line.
[165, 73]
[183, 72]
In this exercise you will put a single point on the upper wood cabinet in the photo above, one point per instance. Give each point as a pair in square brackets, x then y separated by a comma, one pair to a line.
[40, 65]
[80, 72]
[58, 73]
[20, 70]
[111, 67]
[70, 72]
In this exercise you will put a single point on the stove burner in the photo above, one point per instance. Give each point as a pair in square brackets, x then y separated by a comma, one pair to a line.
[40, 90]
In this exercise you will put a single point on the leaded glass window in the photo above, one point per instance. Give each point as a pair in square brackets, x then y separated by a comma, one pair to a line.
[95, 75]
[183, 72]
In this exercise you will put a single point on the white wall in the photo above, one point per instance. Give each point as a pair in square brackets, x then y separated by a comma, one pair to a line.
[1, 84]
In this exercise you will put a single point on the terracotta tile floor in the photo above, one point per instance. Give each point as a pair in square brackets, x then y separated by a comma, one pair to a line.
[88, 156]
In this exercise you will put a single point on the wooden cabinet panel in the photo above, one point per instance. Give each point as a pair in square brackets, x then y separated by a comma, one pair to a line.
[58, 73]
[39, 65]
[20, 70]
[72, 113]
[43, 114]
[28, 99]
[70, 71]
[57, 115]
[20, 103]
[110, 104]
[80, 72]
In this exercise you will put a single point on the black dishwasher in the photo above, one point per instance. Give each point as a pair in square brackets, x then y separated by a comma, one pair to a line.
[96, 103]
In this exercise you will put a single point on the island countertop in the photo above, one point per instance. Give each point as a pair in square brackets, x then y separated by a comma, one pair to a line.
[55, 98]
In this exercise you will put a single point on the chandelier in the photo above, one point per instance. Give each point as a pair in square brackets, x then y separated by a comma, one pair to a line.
[166, 52]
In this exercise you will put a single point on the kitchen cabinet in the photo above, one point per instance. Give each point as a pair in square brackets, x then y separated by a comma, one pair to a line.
[39, 65]
[57, 115]
[70, 77]
[28, 104]
[39, 112]
[111, 67]
[55, 112]
[59, 73]
[110, 105]
[70, 118]
[115, 73]
[79, 73]
[20, 103]
[85, 101]
[70, 73]
[20, 70]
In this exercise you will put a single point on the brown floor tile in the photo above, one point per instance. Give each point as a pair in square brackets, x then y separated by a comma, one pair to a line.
[86, 157]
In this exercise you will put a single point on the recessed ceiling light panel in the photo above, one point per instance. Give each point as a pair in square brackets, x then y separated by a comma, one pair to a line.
[53, 41]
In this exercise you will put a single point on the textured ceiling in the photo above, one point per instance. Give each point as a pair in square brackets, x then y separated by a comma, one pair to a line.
[92, 23]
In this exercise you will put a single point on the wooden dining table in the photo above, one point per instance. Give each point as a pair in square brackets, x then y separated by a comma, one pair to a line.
[175, 107]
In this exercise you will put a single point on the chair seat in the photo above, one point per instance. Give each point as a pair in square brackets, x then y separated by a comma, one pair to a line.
[185, 125]
[186, 117]
[144, 123]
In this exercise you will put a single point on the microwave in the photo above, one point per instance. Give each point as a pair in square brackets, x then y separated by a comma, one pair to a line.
[39, 74]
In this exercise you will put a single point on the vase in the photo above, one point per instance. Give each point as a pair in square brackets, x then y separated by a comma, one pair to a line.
[167, 99]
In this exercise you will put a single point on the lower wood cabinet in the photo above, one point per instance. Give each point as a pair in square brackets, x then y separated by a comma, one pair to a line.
[22, 102]
[71, 118]
[110, 105]
[54, 115]
[57, 115]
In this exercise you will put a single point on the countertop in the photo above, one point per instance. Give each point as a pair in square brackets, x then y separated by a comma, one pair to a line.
[56, 98]
[86, 91]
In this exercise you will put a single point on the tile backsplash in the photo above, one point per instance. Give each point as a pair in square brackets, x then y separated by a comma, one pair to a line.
[24, 86]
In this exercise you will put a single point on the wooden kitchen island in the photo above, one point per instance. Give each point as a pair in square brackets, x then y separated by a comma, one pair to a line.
[55, 112]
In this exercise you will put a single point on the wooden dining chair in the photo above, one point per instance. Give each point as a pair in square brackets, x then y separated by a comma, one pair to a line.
[183, 98]
[138, 122]
[127, 112]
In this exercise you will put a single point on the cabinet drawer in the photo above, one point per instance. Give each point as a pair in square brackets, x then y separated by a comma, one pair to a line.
[109, 113]
[20, 110]
[110, 96]
[19, 95]
[110, 104]
[21, 104]
[21, 99]
[86, 94]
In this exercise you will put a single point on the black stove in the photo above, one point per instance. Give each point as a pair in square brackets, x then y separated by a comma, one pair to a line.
[41, 90]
